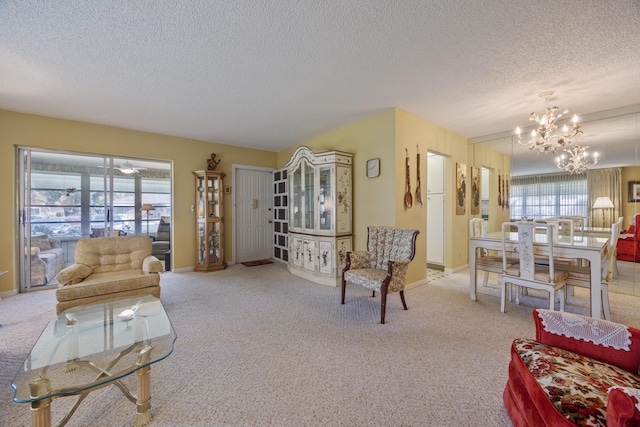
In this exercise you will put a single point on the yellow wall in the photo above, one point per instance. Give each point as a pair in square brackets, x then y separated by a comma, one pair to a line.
[376, 201]
[498, 164]
[380, 201]
[186, 155]
[412, 131]
[366, 139]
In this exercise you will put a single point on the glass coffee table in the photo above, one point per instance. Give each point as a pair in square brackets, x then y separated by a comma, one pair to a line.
[94, 346]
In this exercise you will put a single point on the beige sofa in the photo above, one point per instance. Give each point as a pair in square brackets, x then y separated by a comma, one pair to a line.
[106, 268]
[47, 259]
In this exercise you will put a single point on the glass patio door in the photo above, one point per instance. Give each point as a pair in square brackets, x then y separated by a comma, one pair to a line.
[65, 197]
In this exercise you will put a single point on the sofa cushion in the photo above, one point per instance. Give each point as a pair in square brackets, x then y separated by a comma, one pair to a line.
[41, 242]
[108, 254]
[570, 387]
[107, 283]
[370, 278]
[51, 255]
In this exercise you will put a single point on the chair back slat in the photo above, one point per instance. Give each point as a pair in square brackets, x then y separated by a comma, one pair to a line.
[527, 251]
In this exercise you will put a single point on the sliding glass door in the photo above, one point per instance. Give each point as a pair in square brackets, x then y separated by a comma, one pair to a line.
[64, 197]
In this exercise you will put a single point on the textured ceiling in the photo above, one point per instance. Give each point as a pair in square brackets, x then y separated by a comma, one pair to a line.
[272, 74]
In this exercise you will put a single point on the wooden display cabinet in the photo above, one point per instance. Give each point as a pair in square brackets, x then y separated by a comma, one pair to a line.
[209, 221]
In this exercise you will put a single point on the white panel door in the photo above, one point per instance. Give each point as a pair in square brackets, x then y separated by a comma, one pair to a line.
[253, 221]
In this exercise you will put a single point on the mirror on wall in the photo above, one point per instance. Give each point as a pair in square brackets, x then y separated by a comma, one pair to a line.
[615, 135]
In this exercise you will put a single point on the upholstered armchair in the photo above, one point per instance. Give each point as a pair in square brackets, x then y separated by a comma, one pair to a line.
[161, 243]
[629, 242]
[383, 266]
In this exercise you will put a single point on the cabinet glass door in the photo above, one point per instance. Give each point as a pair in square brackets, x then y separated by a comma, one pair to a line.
[325, 198]
[213, 195]
[309, 197]
[296, 205]
[201, 197]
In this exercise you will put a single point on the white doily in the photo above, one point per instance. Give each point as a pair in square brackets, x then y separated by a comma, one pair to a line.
[632, 392]
[599, 332]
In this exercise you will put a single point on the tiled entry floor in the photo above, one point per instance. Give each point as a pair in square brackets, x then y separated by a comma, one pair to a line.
[433, 274]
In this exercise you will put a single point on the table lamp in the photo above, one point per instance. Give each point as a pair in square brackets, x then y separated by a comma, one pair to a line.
[603, 203]
[149, 207]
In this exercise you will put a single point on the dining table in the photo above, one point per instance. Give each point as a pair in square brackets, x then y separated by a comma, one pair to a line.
[591, 248]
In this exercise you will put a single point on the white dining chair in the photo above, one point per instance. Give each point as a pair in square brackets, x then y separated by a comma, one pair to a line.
[527, 272]
[484, 261]
[580, 276]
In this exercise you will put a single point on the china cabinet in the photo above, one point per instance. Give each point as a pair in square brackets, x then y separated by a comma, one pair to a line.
[320, 214]
[209, 221]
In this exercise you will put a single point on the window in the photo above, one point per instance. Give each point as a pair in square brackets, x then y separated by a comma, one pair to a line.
[551, 195]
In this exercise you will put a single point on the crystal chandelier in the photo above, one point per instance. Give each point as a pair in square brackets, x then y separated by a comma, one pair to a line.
[577, 159]
[545, 137]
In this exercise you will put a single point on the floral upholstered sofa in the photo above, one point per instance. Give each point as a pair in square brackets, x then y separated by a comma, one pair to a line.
[578, 371]
[109, 267]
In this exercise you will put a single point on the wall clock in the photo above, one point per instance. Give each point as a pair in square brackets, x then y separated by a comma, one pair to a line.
[373, 168]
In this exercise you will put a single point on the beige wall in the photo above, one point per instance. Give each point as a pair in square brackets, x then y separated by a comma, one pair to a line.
[186, 155]
[498, 164]
[380, 201]
[366, 139]
[376, 201]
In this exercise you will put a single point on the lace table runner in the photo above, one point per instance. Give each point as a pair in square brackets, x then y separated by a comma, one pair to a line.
[599, 332]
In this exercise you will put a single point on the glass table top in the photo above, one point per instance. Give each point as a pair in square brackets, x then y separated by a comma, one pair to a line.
[90, 345]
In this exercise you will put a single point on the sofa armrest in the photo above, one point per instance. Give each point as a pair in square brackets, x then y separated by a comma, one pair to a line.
[151, 264]
[599, 339]
[622, 407]
[73, 274]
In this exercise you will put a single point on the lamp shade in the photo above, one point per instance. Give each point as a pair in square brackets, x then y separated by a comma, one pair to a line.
[149, 207]
[603, 203]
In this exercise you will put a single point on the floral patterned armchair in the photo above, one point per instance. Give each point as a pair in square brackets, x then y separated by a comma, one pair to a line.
[383, 266]
[577, 371]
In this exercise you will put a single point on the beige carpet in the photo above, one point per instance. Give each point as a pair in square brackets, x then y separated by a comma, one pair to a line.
[260, 347]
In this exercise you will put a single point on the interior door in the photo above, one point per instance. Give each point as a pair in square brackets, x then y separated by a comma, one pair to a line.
[435, 208]
[253, 214]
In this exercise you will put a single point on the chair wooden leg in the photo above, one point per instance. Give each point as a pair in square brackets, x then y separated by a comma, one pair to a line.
[606, 311]
[383, 305]
[373, 294]
[344, 285]
[404, 304]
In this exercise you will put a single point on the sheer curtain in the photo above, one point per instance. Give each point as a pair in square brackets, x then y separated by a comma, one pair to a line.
[605, 183]
[549, 195]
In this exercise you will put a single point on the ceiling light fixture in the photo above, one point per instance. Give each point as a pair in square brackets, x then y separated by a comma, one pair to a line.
[577, 160]
[545, 137]
[127, 168]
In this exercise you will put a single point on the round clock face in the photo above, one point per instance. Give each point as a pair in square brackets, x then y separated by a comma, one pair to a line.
[373, 168]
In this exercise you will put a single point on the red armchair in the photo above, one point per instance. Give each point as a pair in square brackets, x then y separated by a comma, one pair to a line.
[578, 371]
[628, 247]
